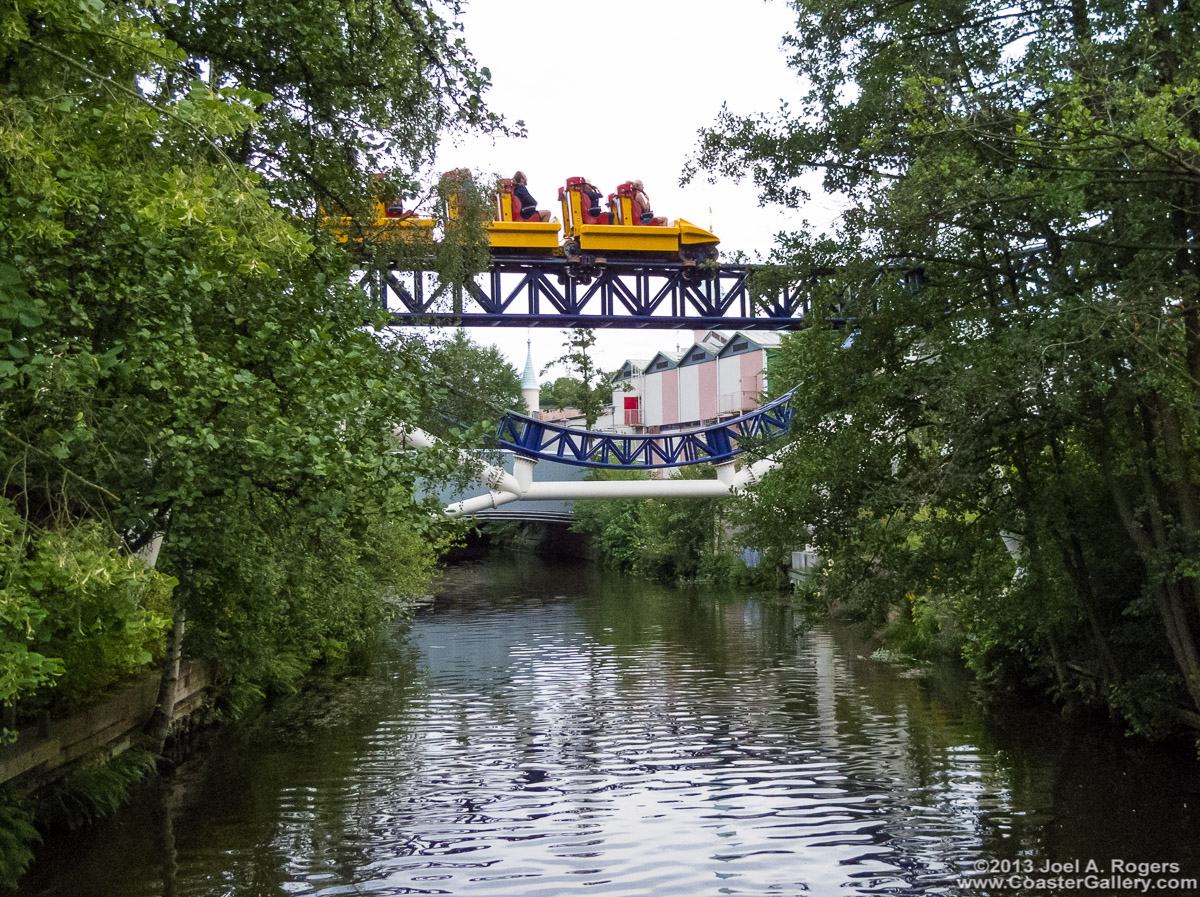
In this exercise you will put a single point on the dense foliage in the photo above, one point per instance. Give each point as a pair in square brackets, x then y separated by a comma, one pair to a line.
[557, 393]
[474, 385]
[179, 357]
[668, 540]
[183, 359]
[1006, 445]
[74, 613]
[182, 353]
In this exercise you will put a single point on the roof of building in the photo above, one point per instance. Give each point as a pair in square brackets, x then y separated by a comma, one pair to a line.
[765, 339]
[709, 350]
[637, 364]
[529, 379]
[713, 342]
[672, 359]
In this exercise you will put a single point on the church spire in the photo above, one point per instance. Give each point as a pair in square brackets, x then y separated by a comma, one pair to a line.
[530, 390]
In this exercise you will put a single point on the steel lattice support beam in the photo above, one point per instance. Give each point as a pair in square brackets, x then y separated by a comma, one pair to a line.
[552, 292]
[715, 444]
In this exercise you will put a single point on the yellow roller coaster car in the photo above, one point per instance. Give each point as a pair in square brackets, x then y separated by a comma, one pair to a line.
[619, 232]
[511, 232]
[586, 229]
[390, 225]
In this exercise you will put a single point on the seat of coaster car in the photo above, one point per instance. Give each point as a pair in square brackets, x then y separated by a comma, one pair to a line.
[640, 215]
[590, 213]
[506, 196]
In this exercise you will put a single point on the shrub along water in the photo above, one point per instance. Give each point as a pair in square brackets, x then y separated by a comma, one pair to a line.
[183, 352]
[77, 616]
[1020, 262]
[668, 540]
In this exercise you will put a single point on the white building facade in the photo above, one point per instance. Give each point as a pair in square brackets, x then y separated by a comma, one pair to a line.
[719, 376]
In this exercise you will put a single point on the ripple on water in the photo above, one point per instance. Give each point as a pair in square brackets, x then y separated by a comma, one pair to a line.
[632, 769]
[516, 741]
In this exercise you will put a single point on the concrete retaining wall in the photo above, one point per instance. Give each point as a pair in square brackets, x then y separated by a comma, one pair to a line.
[42, 752]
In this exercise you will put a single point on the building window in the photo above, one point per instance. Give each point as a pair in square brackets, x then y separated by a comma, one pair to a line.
[661, 366]
[739, 346]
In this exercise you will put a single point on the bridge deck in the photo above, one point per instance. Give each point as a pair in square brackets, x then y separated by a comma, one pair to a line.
[552, 292]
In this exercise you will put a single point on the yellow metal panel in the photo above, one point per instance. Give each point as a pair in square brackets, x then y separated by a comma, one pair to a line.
[572, 213]
[524, 234]
[382, 230]
[627, 211]
[690, 235]
[594, 237]
[506, 207]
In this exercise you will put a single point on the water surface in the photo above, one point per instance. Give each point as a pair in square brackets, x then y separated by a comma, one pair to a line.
[546, 731]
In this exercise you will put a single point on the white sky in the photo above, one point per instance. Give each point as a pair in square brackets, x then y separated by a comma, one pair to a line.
[628, 115]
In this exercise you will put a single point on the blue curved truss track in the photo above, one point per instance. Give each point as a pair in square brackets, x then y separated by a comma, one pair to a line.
[587, 448]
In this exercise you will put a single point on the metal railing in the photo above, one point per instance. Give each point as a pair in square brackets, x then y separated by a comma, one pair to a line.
[738, 401]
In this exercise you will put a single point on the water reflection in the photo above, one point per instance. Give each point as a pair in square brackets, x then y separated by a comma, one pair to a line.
[544, 731]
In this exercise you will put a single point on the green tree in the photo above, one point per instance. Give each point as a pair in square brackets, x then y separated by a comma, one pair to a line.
[614, 524]
[344, 89]
[588, 388]
[663, 539]
[475, 384]
[182, 352]
[177, 355]
[1032, 169]
[557, 393]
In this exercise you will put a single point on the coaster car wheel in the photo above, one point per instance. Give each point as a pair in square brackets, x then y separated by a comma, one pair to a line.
[700, 253]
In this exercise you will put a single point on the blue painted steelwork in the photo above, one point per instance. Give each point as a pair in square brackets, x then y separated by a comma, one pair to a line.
[586, 448]
[594, 292]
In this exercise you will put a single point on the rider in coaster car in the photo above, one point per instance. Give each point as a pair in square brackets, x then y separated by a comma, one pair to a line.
[529, 209]
[594, 196]
[640, 197]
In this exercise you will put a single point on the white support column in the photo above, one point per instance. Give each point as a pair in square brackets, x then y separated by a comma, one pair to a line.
[148, 553]
[480, 503]
[748, 476]
[505, 487]
[496, 478]
[523, 471]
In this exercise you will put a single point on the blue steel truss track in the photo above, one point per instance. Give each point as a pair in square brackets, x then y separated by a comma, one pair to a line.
[586, 448]
[552, 292]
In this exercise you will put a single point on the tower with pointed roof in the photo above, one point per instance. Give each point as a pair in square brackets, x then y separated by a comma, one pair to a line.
[530, 391]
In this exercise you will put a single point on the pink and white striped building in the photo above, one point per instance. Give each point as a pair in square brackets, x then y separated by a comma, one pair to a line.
[721, 375]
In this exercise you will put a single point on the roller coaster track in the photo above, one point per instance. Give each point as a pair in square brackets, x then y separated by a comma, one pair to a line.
[550, 292]
[714, 444]
[595, 292]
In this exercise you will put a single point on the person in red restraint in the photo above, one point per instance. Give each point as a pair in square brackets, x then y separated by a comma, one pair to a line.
[639, 196]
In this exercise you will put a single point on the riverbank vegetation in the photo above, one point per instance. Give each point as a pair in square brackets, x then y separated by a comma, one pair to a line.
[184, 358]
[667, 539]
[1001, 453]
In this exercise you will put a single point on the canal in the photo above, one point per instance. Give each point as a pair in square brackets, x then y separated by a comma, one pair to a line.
[551, 730]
